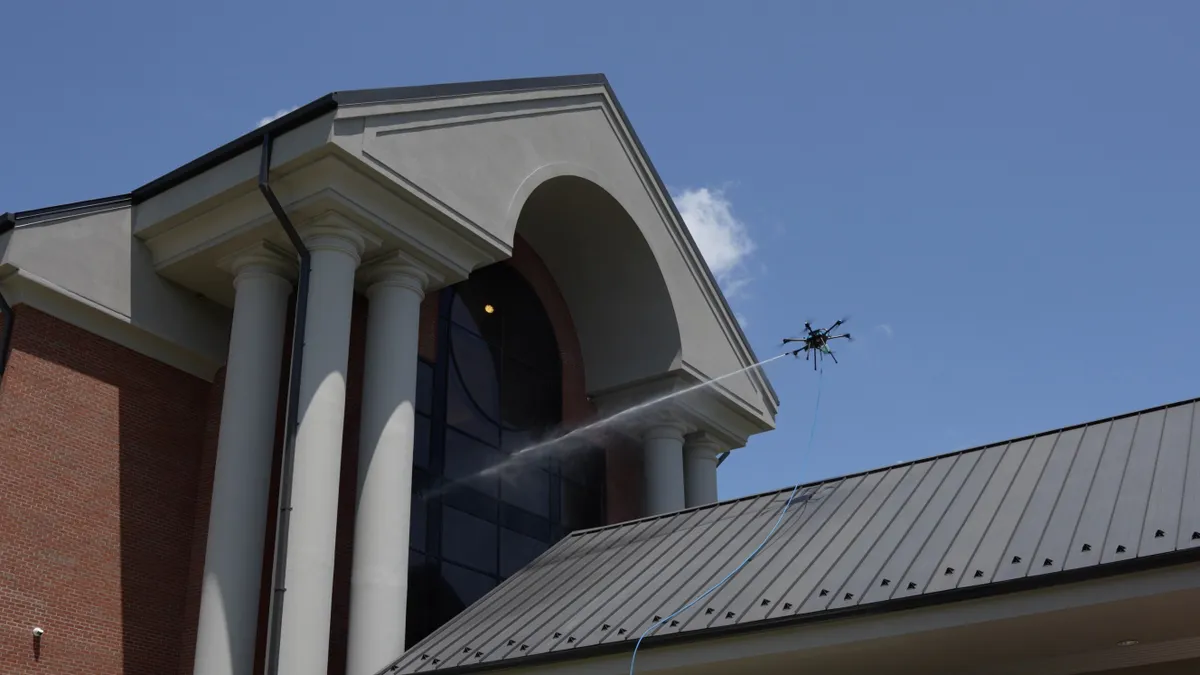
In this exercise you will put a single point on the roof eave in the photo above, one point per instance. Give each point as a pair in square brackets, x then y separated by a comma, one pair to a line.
[1023, 584]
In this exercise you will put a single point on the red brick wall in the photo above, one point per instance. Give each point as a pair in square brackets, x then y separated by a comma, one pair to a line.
[204, 484]
[427, 340]
[99, 471]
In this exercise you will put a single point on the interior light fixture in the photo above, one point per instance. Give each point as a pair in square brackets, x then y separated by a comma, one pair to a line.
[1127, 643]
[489, 309]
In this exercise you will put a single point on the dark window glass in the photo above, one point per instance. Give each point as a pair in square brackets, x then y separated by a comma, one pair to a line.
[418, 522]
[530, 400]
[424, 387]
[459, 588]
[500, 372]
[468, 540]
[527, 333]
[581, 508]
[467, 459]
[471, 501]
[583, 465]
[473, 391]
[418, 624]
[527, 487]
[515, 440]
[421, 442]
[516, 550]
[520, 520]
[470, 305]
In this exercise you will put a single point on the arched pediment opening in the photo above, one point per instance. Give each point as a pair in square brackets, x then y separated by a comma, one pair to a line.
[607, 274]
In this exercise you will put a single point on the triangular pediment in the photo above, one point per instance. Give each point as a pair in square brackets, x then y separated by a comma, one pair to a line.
[474, 154]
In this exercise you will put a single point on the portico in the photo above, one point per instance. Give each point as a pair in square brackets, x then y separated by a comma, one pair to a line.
[403, 197]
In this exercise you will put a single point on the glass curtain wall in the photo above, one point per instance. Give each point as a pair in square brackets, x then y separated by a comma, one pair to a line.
[495, 387]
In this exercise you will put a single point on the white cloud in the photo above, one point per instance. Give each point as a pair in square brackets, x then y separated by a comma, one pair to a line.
[741, 318]
[885, 328]
[724, 241]
[278, 113]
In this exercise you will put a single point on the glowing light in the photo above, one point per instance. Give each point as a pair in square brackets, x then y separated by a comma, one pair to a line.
[489, 309]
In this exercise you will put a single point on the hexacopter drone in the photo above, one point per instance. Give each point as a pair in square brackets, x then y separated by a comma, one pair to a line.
[817, 342]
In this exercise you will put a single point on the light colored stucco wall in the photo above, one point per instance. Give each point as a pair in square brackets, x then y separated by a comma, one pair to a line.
[472, 165]
[477, 161]
[95, 266]
[237, 174]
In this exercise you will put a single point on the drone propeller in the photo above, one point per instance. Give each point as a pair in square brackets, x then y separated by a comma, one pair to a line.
[837, 323]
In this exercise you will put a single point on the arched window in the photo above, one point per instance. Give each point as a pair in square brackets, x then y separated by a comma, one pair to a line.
[495, 388]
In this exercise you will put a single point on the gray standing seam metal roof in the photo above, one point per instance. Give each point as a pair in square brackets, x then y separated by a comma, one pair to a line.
[1050, 508]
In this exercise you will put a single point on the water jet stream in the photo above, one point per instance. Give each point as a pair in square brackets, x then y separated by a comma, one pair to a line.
[531, 451]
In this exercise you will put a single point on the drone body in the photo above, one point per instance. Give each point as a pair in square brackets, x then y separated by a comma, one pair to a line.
[816, 342]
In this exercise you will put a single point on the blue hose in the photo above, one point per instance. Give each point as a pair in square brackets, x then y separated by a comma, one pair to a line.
[811, 434]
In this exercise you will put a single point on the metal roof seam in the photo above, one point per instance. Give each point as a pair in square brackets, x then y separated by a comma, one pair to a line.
[718, 559]
[1120, 482]
[1187, 458]
[835, 533]
[781, 544]
[1054, 505]
[1153, 472]
[991, 518]
[574, 617]
[978, 455]
[623, 601]
[653, 526]
[917, 472]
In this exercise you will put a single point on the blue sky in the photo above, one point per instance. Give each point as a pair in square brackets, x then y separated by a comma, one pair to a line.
[1004, 196]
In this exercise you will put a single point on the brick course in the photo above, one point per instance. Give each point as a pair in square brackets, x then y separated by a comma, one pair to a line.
[98, 476]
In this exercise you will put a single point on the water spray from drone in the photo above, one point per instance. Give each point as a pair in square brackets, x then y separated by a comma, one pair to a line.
[814, 344]
[579, 434]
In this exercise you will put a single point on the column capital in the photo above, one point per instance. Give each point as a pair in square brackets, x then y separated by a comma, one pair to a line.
[701, 445]
[397, 270]
[331, 231]
[665, 428]
[259, 260]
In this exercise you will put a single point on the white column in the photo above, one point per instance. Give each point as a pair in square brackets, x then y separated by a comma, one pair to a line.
[242, 476]
[664, 468]
[379, 574]
[304, 632]
[700, 469]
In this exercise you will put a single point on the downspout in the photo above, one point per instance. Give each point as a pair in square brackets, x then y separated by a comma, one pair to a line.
[291, 421]
[7, 223]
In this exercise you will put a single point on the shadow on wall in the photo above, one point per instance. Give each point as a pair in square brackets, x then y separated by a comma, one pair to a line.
[101, 453]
